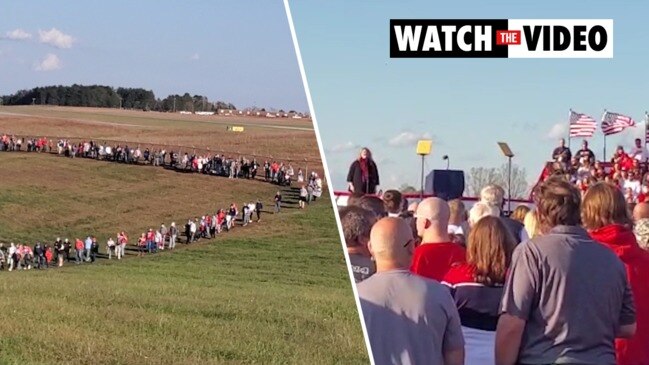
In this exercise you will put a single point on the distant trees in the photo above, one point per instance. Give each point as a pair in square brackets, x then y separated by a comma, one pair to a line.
[107, 97]
[479, 177]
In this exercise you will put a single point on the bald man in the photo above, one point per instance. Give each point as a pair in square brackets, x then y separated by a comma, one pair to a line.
[641, 211]
[409, 319]
[437, 252]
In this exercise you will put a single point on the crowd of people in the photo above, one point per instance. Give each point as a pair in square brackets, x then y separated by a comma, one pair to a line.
[43, 255]
[60, 251]
[276, 172]
[626, 169]
[562, 282]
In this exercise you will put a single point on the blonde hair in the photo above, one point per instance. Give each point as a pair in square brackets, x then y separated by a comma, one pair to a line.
[602, 205]
[458, 211]
[531, 224]
[519, 213]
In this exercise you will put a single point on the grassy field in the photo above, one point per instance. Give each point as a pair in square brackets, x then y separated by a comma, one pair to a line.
[272, 292]
[275, 138]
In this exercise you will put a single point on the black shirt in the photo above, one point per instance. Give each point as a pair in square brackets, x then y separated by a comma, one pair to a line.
[563, 152]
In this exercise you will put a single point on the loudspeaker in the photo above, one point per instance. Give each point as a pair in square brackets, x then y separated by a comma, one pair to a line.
[445, 184]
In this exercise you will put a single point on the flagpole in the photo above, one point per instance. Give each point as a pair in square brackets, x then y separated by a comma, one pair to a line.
[644, 151]
[603, 116]
[569, 114]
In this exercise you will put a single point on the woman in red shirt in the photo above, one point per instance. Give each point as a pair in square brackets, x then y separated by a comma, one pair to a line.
[606, 217]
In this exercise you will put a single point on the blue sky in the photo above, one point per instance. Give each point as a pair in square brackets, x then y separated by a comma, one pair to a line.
[237, 51]
[363, 98]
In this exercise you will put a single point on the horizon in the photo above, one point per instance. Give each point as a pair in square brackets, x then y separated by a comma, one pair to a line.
[157, 96]
[239, 52]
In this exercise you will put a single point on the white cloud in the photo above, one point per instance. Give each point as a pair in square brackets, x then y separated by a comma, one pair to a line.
[344, 147]
[195, 57]
[407, 139]
[18, 35]
[559, 130]
[56, 38]
[49, 63]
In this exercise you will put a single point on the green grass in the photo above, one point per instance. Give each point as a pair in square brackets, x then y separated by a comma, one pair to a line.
[274, 292]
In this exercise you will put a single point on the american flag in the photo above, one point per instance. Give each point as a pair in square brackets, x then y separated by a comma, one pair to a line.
[615, 123]
[581, 125]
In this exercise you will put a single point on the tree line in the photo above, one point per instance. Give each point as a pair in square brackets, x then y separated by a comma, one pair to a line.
[479, 177]
[107, 97]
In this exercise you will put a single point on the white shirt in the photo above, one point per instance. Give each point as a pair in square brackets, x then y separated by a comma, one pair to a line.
[453, 229]
[634, 185]
[639, 153]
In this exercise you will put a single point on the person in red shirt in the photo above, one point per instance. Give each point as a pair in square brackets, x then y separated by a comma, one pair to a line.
[79, 248]
[606, 217]
[437, 253]
[150, 241]
[142, 244]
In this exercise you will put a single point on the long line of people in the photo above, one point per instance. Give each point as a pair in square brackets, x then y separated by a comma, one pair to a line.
[276, 172]
[562, 283]
[60, 251]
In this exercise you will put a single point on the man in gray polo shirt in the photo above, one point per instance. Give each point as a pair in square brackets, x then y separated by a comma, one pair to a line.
[567, 297]
[409, 319]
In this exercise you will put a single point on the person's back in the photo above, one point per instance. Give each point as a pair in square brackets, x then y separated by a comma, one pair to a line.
[633, 351]
[566, 297]
[515, 228]
[437, 253]
[581, 289]
[408, 318]
[433, 260]
[605, 215]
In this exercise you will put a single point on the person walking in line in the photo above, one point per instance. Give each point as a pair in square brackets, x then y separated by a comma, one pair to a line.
[165, 233]
[244, 214]
[60, 252]
[232, 214]
[173, 235]
[67, 246]
[278, 201]
[110, 247]
[303, 195]
[192, 230]
[150, 241]
[122, 240]
[39, 253]
[188, 231]
[88, 248]
[94, 249]
[258, 207]
[159, 242]
[79, 248]
[142, 245]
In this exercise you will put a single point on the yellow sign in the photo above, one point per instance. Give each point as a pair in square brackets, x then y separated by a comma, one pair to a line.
[232, 128]
[424, 146]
